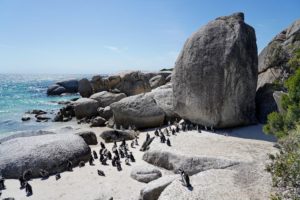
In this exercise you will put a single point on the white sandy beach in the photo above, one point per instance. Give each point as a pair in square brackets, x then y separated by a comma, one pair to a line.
[84, 183]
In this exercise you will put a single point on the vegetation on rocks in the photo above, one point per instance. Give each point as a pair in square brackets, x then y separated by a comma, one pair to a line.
[285, 165]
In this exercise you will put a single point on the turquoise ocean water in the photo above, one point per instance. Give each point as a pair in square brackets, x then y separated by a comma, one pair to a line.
[20, 93]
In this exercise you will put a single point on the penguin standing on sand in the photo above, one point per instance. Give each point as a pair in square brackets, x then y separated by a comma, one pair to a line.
[95, 155]
[28, 189]
[185, 178]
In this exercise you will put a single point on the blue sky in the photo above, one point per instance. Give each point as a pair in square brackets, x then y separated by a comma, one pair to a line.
[106, 36]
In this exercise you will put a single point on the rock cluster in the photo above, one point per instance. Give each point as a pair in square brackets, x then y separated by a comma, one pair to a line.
[67, 86]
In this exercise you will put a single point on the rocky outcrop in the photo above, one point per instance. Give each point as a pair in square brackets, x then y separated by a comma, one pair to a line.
[157, 81]
[153, 189]
[273, 68]
[273, 59]
[85, 89]
[117, 135]
[99, 84]
[215, 77]
[106, 98]
[190, 164]
[98, 122]
[50, 152]
[67, 86]
[106, 112]
[85, 107]
[89, 137]
[113, 81]
[139, 110]
[145, 174]
[133, 83]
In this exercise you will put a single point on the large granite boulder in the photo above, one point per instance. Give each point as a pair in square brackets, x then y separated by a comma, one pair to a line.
[191, 164]
[99, 84]
[106, 98]
[157, 81]
[163, 97]
[209, 185]
[277, 95]
[50, 152]
[133, 83]
[273, 59]
[56, 90]
[145, 174]
[85, 107]
[117, 135]
[153, 189]
[139, 110]
[215, 77]
[84, 88]
[89, 137]
[71, 85]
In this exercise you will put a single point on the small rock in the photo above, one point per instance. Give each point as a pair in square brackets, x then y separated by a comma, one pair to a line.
[145, 174]
[97, 122]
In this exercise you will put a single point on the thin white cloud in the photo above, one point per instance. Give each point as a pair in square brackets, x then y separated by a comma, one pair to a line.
[112, 48]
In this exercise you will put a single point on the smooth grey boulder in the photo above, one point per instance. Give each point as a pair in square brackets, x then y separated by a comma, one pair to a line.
[117, 135]
[153, 189]
[50, 152]
[89, 137]
[265, 102]
[99, 84]
[145, 174]
[215, 76]
[190, 164]
[56, 90]
[139, 110]
[163, 97]
[157, 81]
[106, 98]
[85, 107]
[98, 121]
[71, 85]
[84, 88]
[106, 112]
[133, 83]
[273, 59]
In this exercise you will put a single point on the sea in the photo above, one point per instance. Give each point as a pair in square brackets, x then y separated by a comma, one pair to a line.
[24, 92]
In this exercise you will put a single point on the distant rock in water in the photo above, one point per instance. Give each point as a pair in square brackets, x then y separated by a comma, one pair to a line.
[49, 152]
[215, 77]
[67, 86]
